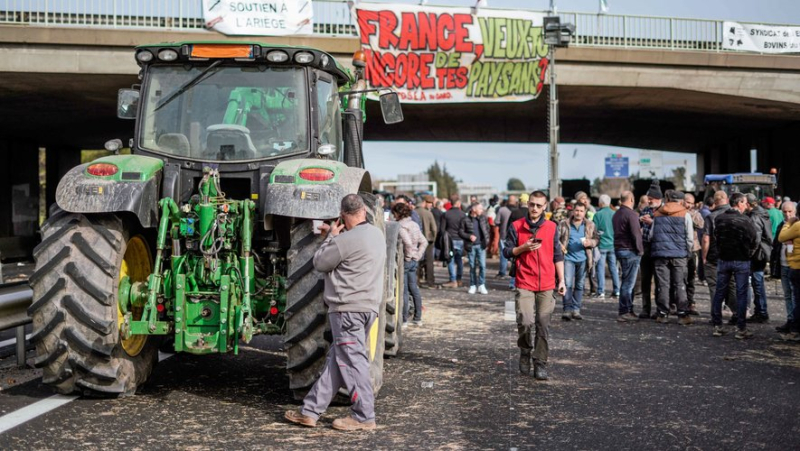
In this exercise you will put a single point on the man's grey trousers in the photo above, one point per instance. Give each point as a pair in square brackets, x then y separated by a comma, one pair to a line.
[347, 365]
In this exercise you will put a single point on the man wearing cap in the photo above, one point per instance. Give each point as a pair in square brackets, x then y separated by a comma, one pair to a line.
[671, 241]
[647, 266]
[775, 215]
[758, 262]
[429, 230]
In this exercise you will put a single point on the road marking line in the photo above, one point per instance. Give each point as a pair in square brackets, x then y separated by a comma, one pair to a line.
[12, 341]
[27, 413]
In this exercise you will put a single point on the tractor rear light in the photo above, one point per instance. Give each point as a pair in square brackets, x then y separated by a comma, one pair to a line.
[316, 174]
[222, 51]
[160, 307]
[277, 56]
[145, 56]
[168, 55]
[273, 310]
[102, 169]
[303, 57]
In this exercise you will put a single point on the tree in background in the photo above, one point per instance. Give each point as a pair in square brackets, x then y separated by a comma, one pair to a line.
[515, 184]
[445, 181]
[679, 178]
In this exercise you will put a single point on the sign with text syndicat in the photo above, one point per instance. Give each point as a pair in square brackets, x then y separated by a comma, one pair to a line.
[617, 166]
[259, 17]
[453, 55]
[760, 38]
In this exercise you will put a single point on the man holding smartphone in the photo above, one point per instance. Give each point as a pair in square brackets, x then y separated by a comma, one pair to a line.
[533, 243]
[353, 266]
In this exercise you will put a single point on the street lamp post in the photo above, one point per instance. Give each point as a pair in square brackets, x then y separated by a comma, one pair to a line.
[556, 35]
[552, 122]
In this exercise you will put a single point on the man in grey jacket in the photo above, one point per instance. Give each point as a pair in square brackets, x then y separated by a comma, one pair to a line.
[353, 264]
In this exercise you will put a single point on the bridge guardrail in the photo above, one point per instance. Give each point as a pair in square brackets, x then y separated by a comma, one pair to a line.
[333, 18]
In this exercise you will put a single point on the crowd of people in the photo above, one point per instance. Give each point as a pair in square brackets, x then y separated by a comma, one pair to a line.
[725, 243]
[659, 250]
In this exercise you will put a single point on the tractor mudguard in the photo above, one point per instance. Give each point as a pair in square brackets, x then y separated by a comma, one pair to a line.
[133, 187]
[312, 188]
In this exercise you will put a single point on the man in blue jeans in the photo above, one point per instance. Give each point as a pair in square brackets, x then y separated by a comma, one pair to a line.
[577, 238]
[475, 233]
[605, 228]
[450, 225]
[758, 263]
[628, 248]
[736, 241]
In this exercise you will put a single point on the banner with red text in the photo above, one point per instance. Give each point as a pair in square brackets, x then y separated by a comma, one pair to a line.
[450, 55]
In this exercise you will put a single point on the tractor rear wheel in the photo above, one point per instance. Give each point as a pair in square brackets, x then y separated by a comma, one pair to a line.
[395, 280]
[308, 337]
[75, 309]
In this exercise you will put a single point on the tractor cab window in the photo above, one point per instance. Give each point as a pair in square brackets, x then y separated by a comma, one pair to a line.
[219, 113]
[329, 115]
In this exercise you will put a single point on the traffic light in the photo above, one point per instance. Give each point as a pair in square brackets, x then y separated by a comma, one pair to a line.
[556, 33]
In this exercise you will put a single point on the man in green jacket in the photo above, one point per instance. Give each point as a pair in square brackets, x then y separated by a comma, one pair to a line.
[602, 219]
[775, 215]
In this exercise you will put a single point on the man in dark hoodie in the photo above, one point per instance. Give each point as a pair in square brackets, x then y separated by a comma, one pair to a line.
[737, 241]
[760, 218]
[671, 241]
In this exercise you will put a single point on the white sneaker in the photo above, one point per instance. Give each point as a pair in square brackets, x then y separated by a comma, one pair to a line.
[482, 289]
[405, 325]
[472, 289]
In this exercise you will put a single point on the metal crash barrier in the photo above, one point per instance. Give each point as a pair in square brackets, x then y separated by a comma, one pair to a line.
[15, 298]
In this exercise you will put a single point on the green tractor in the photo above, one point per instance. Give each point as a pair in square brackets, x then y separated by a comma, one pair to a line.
[204, 236]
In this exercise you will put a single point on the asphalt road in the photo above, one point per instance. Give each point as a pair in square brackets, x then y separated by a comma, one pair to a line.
[456, 386]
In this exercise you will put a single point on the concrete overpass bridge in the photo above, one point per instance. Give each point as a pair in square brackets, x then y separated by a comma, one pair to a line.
[655, 83]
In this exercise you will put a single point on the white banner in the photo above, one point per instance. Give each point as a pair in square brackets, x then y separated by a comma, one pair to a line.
[259, 17]
[760, 38]
[453, 55]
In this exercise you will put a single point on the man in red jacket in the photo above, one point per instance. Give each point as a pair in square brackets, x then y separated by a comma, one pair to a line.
[539, 269]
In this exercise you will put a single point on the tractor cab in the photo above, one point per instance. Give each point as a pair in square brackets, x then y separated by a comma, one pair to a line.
[760, 185]
[238, 102]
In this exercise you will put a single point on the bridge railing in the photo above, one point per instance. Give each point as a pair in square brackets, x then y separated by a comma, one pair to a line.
[333, 18]
[604, 30]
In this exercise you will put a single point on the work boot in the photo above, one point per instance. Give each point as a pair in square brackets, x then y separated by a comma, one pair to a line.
[786, 328]
[540, 372]
[759, 318]
[693, 310]
[743, 334]
[566, 316]
[685, 320]
[576, 315]
[525, 363]
[791, 336]
[451, 284]
[351, 424]
[718, 331]
[298, 418]
[662, 319]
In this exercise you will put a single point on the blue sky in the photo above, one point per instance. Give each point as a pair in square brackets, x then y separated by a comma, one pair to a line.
[468, 161]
